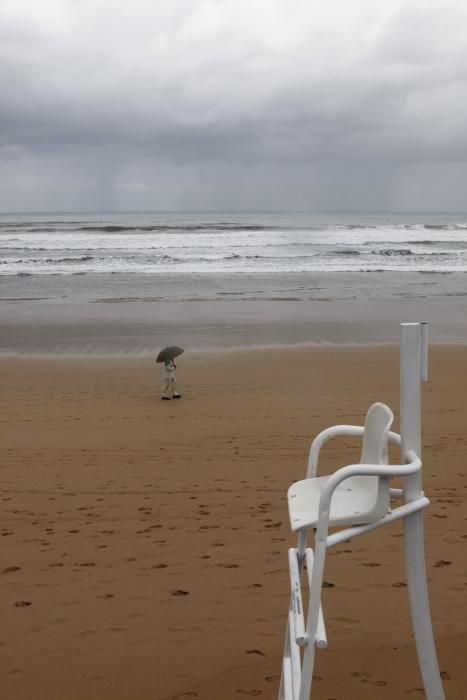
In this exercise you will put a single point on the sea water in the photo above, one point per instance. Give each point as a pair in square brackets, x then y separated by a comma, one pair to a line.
[164, 255]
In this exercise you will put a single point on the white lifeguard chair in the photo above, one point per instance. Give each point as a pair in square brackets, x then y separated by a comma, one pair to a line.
[357, 498]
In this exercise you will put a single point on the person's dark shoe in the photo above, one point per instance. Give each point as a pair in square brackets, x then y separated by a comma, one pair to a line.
[177, 396]
[165, 398]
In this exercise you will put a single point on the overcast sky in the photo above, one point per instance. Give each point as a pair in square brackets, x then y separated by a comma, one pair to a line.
[233, 104]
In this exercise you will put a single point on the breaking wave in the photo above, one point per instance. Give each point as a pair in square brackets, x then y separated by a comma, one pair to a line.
[250, 243]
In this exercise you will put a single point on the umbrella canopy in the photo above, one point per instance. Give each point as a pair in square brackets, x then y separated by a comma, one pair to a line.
[169, 353]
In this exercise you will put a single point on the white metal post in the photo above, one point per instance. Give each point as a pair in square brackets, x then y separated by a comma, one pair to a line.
[313, 616]
[413, 370]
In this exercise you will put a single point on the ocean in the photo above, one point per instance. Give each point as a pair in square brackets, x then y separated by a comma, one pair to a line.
[104, 282]
[218, 243]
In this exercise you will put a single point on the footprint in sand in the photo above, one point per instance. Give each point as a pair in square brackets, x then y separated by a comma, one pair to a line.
[274, 525]
[255, 651]
[441, 563]
[11, 569]
[180, 592]
[22, 603]
[370, 563]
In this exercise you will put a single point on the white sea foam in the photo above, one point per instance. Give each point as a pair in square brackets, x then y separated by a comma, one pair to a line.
[210, 244]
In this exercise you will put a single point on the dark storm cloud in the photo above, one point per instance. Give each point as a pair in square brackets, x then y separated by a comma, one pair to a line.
[232, 104]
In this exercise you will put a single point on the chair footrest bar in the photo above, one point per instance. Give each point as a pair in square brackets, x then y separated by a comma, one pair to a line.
[396, 514]
[321, 640]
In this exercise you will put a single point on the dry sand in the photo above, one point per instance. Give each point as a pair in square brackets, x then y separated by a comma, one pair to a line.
[144, 543]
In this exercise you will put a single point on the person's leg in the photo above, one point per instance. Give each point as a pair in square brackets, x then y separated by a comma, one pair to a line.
[165, 389]
[176, 395]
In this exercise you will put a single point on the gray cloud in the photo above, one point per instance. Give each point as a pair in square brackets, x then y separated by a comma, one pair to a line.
[233, 104]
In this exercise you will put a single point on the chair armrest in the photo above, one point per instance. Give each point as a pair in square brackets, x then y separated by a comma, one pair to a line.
[324, 436]
[337, 431]
[412, 466]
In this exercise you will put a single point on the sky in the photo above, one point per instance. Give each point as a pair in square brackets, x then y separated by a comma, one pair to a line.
[333, 105]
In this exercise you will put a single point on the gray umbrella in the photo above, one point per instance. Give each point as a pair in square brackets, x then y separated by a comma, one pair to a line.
[169, 353]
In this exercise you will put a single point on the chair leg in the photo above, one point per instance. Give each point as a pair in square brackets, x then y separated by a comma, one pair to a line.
[420, 607]
[312, 619]
[295, 682]
[301, 547]
[285, 655]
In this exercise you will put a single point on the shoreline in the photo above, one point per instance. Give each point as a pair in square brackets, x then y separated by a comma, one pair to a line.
[202, 352]
[35, 328]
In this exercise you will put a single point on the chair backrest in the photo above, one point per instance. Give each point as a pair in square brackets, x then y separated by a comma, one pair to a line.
[375, 437]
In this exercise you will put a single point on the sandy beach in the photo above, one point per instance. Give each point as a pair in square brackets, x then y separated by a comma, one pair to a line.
[144, 543]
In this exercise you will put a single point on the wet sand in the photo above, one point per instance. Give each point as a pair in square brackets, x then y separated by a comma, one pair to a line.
[123, 328]
[144, 543]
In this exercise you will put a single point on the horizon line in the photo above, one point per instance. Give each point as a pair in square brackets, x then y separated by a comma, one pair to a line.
[232, 211]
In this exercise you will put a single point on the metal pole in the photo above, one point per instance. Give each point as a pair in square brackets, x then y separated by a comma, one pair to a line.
[414, 370]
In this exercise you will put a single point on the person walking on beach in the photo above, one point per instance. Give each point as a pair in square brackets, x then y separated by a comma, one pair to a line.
[167, 355]
[169, 381]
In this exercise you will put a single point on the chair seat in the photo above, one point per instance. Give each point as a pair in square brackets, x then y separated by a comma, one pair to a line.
[356, 501]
